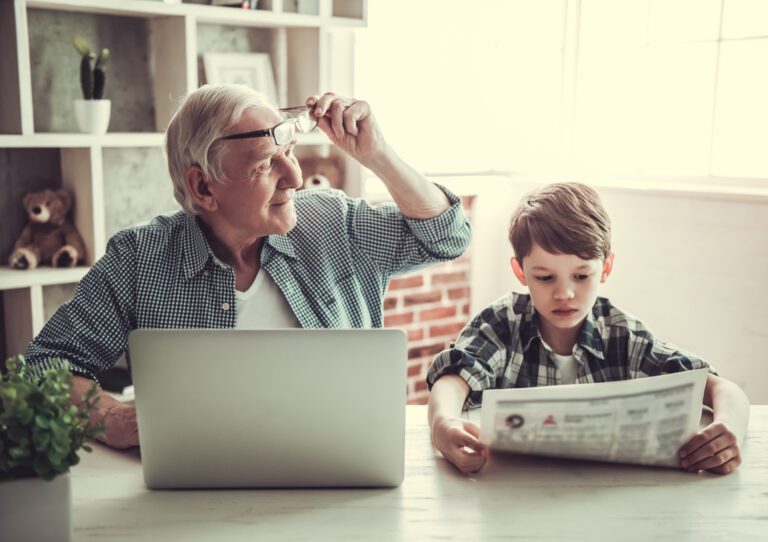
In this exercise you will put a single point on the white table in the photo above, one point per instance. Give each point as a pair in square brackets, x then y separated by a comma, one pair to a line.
[514, 496]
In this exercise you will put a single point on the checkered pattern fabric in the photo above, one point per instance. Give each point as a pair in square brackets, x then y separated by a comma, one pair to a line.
[333, 269]
[502, 348]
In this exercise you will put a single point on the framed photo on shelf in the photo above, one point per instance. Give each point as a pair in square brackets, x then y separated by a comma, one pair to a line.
[251, 69]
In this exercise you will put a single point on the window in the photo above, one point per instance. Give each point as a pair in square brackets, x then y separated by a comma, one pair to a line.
[638, 88]
[464, 86]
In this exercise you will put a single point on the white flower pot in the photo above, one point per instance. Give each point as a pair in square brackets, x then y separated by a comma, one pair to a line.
[32, 509]
[93, 115]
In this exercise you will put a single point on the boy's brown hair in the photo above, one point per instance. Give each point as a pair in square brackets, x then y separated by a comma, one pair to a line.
[563, 218]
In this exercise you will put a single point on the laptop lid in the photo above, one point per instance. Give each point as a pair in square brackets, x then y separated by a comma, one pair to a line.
[270, 408]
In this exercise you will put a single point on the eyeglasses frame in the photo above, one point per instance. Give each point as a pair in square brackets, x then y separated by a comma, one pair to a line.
[271, 131]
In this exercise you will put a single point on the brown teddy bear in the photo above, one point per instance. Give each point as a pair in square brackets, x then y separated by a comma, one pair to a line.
[49, 238]
[319, 172]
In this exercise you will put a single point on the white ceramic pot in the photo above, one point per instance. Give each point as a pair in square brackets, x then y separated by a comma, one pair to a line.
[93, 115]
[32, 509]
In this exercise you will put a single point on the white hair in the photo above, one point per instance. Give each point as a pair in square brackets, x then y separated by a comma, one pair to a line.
[192, 136]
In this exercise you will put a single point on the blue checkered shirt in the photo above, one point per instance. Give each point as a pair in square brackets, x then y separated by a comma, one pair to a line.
[502, 348]
[333, 269]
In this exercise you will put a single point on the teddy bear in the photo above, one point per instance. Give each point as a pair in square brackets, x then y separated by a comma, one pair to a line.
[319, 172]
[48, 238]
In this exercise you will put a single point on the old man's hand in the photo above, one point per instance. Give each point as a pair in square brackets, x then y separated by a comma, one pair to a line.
[120, 429]
[350, 124]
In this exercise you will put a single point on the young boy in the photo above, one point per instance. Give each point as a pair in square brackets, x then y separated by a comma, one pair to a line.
[562, 333]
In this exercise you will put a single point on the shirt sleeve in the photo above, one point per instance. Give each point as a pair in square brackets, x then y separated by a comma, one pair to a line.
[479, 355]
[91, 330]
[397, 244]
[657, 357]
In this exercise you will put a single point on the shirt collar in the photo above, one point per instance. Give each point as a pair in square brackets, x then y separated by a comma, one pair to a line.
[283, 244]
[589, 337]
[197, 251]
[195, 246]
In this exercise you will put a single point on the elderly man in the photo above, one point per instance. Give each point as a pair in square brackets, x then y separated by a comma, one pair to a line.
[248, 251]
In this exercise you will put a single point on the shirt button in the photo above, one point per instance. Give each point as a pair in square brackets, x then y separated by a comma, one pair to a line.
[206, 273]
[225, 306]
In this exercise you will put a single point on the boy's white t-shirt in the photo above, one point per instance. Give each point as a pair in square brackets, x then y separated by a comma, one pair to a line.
[567, 366]
[263, 305]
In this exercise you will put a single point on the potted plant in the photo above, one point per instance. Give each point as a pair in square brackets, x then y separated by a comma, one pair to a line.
[40, 435]
[92, 112]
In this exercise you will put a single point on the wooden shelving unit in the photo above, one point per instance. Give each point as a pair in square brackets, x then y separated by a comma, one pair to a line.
[311, 52]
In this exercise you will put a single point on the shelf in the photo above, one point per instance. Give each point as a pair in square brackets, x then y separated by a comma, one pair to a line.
[62, 141]
[135, 8]
[255, 17]
[204, 14]
[76, 140]
[345, 22]
[43, 276]
[121, 178]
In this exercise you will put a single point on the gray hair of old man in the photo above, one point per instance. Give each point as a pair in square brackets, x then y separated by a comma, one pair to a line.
[192, 137]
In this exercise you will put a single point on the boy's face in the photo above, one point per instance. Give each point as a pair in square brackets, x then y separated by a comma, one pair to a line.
[563, 286]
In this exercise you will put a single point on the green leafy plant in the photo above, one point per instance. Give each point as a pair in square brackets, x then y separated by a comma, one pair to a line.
[92, 76]
[40, 430]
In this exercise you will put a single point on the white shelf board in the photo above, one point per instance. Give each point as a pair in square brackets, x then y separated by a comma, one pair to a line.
[42, 276]
[135, 8]
[254, 17]
[65, 140]
[116, 140]
[205, 14]
[345, 21]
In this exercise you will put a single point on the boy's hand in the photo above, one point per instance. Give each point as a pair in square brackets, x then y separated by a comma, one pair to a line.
[452, 437]
[715, 448]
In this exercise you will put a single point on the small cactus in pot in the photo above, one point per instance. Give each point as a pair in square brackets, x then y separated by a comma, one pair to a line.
[92, 77]
[92, 112]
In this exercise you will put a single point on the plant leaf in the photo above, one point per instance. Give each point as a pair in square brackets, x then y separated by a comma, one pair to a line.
[41, 422]
[81, 45]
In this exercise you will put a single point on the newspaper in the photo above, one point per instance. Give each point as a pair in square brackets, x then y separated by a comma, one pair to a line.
[643, 421]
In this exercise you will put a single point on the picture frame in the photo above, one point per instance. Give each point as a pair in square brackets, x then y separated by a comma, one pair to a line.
[251, 69]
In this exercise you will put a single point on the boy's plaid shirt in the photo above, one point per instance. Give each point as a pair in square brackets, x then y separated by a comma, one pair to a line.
[502, 348]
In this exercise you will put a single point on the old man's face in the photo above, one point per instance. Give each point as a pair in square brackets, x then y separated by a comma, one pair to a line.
[263, 177]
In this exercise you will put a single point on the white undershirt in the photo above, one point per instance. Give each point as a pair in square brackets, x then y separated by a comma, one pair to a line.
[567, 367]
[263, 305]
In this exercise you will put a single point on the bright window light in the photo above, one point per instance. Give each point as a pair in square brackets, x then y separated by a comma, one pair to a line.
[622, 88]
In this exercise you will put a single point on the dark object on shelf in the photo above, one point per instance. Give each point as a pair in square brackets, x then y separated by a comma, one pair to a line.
[244, 4]
[115, 379]
[92, 77]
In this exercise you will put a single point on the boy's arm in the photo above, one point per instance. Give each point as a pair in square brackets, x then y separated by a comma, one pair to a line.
[456, 438]
[717, 447]
[459, 375]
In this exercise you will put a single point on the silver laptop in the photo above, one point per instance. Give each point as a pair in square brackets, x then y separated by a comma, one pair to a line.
[270, 408]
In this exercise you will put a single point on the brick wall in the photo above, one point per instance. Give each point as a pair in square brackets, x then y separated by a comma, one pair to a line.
[432, 306]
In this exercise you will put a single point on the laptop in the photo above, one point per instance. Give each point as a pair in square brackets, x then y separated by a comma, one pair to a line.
[270, 408]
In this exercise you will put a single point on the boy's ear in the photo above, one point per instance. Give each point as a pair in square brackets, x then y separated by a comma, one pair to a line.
[517, 269]
[607, 267]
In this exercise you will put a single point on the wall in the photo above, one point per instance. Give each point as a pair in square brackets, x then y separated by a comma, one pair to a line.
[693, 267]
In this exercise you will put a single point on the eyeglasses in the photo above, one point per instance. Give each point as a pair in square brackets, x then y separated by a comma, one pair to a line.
[299, 119]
